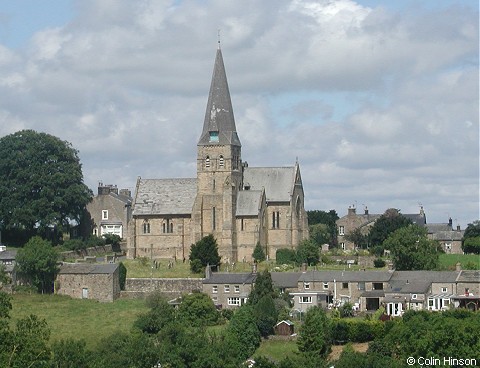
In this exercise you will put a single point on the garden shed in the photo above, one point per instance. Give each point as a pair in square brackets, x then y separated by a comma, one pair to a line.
[284, 328]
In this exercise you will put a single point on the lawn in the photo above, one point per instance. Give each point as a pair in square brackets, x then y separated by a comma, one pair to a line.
[448, 261]
[277, 349]
[77, 318]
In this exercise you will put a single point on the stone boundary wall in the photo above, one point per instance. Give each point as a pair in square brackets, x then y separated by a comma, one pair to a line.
[93, 251]
[169, 287]
[362, 261]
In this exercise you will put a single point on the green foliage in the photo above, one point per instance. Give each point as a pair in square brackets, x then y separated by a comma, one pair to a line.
[75, 244]
[471, 245]
[308, 252]
[378, 263]
[114, 240]
[263, 286]
[285, 256]
[242, 336]
[346, 310]
[69, 354]
[320, 234]
[386, 224]
[327, 218]
[5, 305]
[258, 253]
[161, 314]
[38, 261]
[472, 230]
[412, 250]
[122, 271]
[423, 334]
[95, 241]
[359, 239]
[315, 333]
[47, 176]
[356, 330]
[203, 253]
[266, 315]
[4, 279]
[197, 309]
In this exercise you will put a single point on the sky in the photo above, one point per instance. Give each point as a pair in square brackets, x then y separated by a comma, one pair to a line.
[377, 100]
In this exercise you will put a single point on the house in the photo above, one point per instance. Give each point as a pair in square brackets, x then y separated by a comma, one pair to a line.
[364, 221]
[240, 205]
[89, 281]
[450, 239]
[110, 211]
[284, 328]
[228, 290]
[467, 285]
[363, 289]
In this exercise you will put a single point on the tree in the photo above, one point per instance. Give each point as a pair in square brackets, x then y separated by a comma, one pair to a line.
[266, 315]
[315, 333]
[42, 182]
[327, 218]
[412, 250]
[258, 253]
[471, 238]
[69, 353]
[197, 309]
[358, 238]
[320, 234]
[122, 274]
[37, 260]
[308, 252]
[263, 286]
[160, 315]
[386, 224]
[203, 253]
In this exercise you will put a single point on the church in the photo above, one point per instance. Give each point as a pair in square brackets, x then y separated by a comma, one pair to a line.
[239, 205]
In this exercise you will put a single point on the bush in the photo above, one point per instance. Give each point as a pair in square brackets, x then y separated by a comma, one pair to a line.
[379, 263]
[74, 244]
[340, 331]
[285, 256]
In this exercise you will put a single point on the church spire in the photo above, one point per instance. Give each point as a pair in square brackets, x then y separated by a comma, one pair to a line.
[219, 124]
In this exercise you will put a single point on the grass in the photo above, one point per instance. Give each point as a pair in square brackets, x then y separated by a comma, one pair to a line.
[448, 261]
[277, 349]
[77, 318]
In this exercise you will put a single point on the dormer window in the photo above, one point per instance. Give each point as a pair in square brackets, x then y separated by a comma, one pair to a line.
[207, 161]
[213, 136]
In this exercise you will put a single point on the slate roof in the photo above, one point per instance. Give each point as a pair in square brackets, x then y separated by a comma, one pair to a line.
[469, 276]
[165, 196]
[8, 255]
[230, 278]
[249, 202]
[285, 279]
[219, 114]
[88, 268]
[433, 228]
[448, 235]
[346, 276]
[278, 182]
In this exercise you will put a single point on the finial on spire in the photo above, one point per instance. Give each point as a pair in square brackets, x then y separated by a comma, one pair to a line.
[218, 34]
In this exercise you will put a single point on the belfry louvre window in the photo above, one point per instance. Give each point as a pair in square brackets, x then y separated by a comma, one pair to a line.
[221, 161]
[207, 161]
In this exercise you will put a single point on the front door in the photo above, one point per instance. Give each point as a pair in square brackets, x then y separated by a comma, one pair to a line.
[85, 293]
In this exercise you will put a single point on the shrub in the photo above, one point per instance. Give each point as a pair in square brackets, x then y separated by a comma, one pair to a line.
[75, 244]
[379, 263]
[285, 256]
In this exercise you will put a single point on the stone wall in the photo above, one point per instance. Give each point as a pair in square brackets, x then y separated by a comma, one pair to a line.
[170, 288]
[93, 251]
[361, 261]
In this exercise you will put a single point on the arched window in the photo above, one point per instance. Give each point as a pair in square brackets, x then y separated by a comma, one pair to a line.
[207, 161]
[221, 162]
[164, 228]
[146, 227]
[171, 227]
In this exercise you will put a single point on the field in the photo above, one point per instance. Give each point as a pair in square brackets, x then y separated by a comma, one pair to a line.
[77, 318]
[448, 261]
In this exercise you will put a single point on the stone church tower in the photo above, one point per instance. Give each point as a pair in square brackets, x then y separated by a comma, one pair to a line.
[240, 206]
[219, 167]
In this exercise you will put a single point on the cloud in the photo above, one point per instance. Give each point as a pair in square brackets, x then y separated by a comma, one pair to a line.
[379, 105]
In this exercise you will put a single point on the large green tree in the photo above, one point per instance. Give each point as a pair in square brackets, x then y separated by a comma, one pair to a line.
[37, 261]
[412, 250]
[41, 182]
[327, 218]
[385, 225]
[203, 253]
[471, 238]
[315, 333]
[308, 252]
[197, 309]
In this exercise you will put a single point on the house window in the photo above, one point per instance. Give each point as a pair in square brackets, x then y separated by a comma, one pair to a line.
[414, 296]
[276, 220]
[306, 285]
[207, 161]
[226, 288]
[146, 227]
[448, 246]
[242, 225]
[305, 300]
[444, 289]
[221, 161]
[342, 245]
[341, 230]
[325, 286]
[167, 226]
[233, 301]
[344, 285]
[105, 215]
[377, 286]
[237, 288]
[214, 289]
[361, 286]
